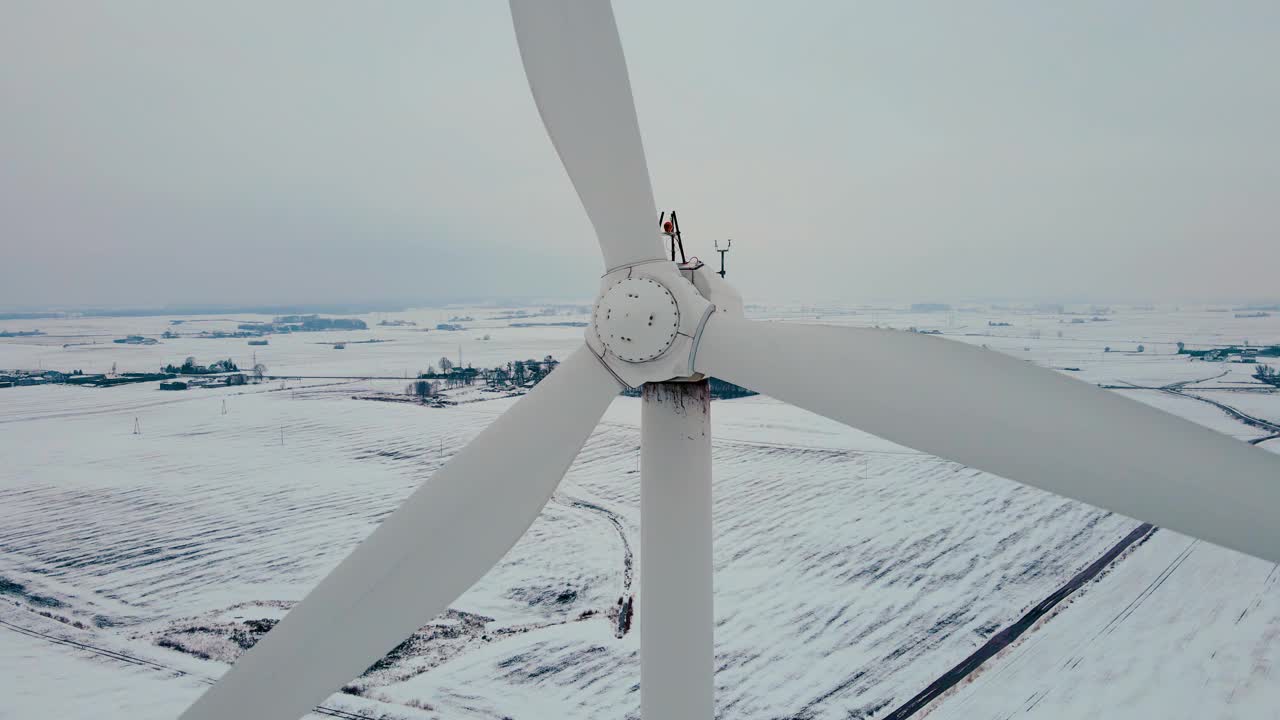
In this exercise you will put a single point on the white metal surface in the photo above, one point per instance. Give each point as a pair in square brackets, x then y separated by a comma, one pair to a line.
[993, 412]
[711, 286]
[437, 544]
[578, 75]
[692, 310]
[637, 319]
[677, 653]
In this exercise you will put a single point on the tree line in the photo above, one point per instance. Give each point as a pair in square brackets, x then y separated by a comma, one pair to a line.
[446, 374]
[189, 367]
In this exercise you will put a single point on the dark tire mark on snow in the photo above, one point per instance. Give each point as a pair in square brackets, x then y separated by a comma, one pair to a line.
[1154, 585]
[1005, 637]
[1257, 599]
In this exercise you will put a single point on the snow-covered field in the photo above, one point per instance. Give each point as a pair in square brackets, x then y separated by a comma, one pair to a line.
[850, 572]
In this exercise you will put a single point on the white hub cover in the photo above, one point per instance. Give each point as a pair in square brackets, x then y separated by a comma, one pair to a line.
[637, 319]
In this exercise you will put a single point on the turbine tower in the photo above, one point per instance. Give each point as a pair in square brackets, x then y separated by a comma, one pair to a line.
[664, 327]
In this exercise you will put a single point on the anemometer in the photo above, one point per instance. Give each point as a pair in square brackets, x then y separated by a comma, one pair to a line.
[722, 250]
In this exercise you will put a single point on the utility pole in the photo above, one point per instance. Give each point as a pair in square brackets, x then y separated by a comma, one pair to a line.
[137, 428]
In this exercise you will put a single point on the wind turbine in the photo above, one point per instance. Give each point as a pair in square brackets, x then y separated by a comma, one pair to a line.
[664, 328]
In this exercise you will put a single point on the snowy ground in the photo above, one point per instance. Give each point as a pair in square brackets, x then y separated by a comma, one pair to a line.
[850, 572]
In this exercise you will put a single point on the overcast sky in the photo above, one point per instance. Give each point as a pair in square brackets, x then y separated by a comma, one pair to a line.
[159, 153]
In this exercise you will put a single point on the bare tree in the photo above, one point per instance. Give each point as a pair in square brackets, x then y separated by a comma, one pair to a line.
[421, 389]
[259, 371]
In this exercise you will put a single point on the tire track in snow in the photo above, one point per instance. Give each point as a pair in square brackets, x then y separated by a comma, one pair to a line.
[1235, 413]
[1179, 389]
[622, 621]
[616, 521]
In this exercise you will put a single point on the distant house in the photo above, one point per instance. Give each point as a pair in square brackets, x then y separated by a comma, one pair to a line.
[85, 379]
[235, 379]
[173, 385]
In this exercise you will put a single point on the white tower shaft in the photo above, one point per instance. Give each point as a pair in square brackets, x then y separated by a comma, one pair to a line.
[677, 652]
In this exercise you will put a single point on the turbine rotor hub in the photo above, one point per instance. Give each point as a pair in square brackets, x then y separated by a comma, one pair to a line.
[637, 319]
[648, 319]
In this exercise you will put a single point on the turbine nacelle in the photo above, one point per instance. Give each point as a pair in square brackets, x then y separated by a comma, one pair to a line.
[648, 319]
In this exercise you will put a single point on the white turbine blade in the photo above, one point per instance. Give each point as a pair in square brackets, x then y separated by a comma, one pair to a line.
[442, 540]
[1006, 416]
[573, 59]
